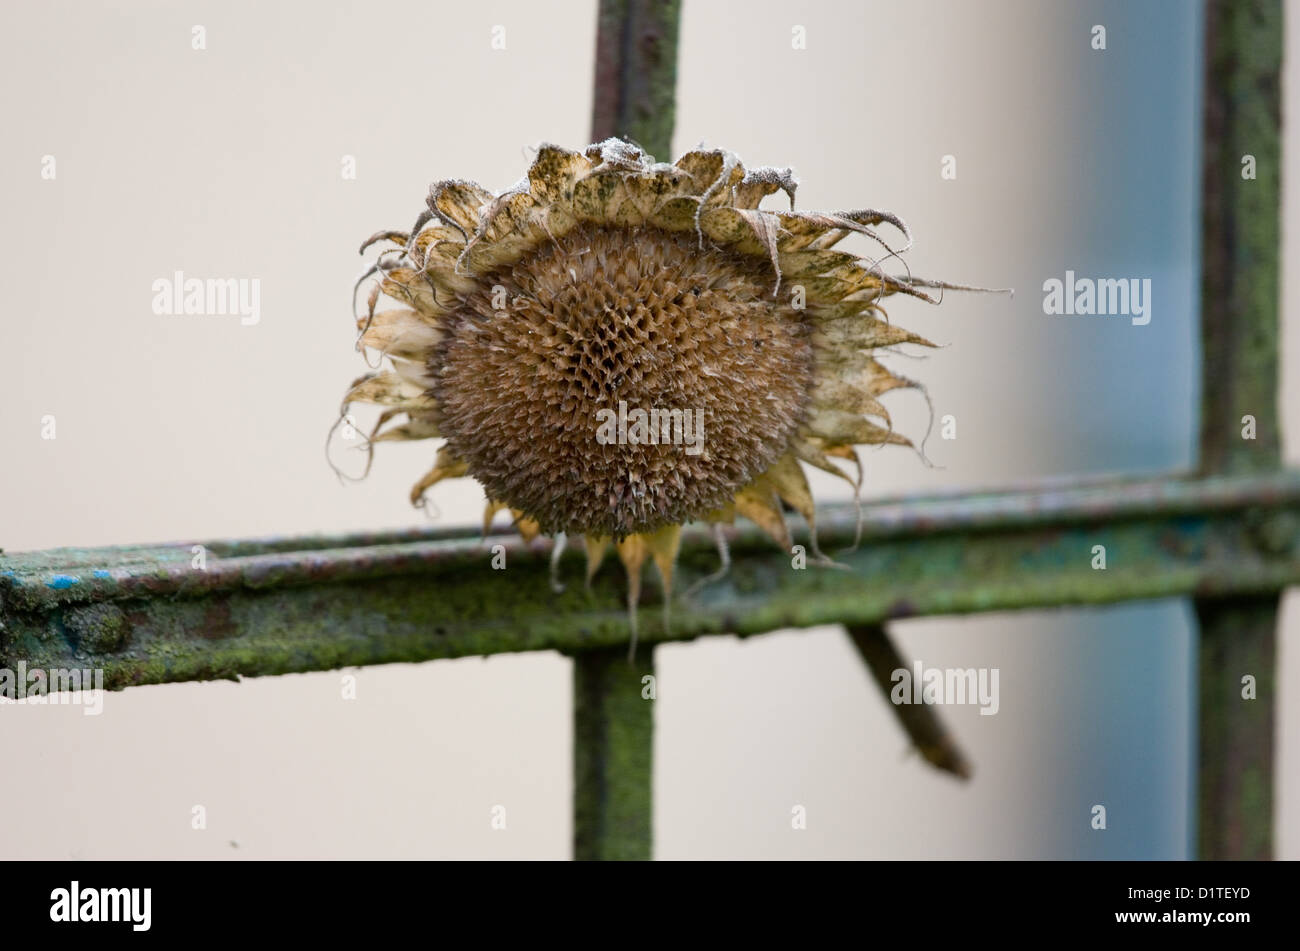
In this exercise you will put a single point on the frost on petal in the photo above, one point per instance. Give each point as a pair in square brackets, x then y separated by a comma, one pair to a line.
[459, 203]
[758, 183]
[554, 174]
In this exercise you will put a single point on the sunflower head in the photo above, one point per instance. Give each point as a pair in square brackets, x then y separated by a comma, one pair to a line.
[614, 346]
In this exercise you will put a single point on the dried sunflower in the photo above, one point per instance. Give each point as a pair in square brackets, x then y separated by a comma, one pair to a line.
[605, 280]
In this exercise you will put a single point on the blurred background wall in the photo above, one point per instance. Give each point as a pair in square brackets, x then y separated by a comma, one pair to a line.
[228, 161]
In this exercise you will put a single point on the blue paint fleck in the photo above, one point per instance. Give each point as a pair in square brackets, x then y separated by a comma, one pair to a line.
[63, 581]
[101, 573]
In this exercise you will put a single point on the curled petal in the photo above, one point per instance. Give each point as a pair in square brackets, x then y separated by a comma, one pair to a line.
[459, 203]
[555, 172]
[445, 466]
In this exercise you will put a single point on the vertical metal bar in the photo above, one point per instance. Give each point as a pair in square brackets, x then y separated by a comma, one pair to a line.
[1235, 777]
[613, 737]
[613, 726]
[636, 73]
[1240, 234]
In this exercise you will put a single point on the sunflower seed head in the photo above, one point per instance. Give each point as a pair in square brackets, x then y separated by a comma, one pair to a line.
[604, 317]
[605, 279]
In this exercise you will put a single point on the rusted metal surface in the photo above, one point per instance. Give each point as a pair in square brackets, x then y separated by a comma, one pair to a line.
[62, 576]
[636, 73]
[147, 615]
[1240, 249]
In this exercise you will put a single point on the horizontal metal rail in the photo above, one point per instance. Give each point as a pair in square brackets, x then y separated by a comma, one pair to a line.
[160, 614]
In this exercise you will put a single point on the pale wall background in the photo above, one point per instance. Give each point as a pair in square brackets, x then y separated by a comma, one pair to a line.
[225, 162]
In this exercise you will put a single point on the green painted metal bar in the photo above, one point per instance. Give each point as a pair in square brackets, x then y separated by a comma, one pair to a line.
[148, 615]
[613, 741]
[636, 73]
[613, 736]
[1240, 242]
